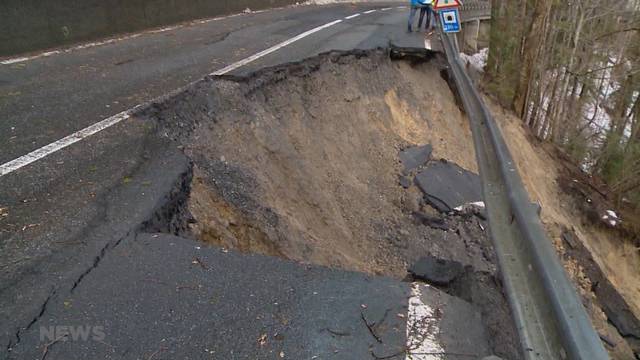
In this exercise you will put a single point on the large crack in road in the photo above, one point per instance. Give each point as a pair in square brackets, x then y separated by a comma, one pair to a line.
[330, 162]
[337, 165]
[301, 162]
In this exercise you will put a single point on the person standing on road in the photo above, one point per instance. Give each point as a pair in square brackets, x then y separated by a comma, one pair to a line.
[415, 5]
[426, 9]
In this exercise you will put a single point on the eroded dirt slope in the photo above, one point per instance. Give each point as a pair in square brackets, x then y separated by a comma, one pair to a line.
[301, 162]
[618, 259]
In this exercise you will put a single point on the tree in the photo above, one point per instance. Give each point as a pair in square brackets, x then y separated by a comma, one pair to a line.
[571, 71]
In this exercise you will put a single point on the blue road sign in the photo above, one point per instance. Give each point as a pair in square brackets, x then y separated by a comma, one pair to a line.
[450, 20]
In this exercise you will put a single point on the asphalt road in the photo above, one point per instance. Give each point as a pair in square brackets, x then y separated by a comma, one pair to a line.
[47, 98]
[69, 221]
[206, 303]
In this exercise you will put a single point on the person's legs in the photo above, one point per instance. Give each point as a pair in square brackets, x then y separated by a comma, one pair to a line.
[412, 15]
[435, 18]
[423, 11]
[429, 10]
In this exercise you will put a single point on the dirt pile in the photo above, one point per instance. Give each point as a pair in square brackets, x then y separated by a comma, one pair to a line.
[302, 162]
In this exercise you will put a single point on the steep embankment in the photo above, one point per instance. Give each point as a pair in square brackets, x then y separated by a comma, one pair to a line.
[605, 255]
[302, 162]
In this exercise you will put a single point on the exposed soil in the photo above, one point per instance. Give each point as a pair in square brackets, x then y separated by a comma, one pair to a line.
[601, 257]
[301, 161]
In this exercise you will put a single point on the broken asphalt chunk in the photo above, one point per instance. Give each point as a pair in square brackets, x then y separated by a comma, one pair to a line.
[447, 185]
[405, 182]
[436, 271]
[414, 157]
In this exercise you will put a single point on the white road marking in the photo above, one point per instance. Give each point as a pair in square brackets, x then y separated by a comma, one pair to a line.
[38, 154]
[168, 28]
[272, 49]
[17, 60]
[83, 46]
[370, 11]
[422, 329]
[126, 37]
[55, 146]
[353, 16]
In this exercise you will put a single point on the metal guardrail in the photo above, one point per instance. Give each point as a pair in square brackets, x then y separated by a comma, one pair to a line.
[475, 10]
[550, 318]
[476, 5]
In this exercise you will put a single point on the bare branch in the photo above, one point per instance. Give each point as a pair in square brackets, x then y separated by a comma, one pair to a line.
[607, 34]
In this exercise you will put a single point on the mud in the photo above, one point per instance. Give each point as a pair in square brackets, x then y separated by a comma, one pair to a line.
[302, 162]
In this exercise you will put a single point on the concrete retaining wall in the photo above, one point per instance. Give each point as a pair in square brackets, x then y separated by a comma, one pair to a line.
[27, 25]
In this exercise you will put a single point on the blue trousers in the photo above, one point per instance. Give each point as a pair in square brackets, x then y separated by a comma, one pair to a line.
[426, 10]
[412, 15]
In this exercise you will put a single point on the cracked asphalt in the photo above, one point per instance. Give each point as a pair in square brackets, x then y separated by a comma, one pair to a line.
[71, 252]
[45, 99]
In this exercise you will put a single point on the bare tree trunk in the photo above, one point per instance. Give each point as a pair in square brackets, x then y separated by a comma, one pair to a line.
[546, 116]
[553, 116]
[541, 69]
[559, 135]
[530, 54]
[635, 127]
[494, 57]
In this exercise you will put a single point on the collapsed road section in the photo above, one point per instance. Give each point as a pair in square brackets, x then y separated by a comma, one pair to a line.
[329, 208]
[304, 163]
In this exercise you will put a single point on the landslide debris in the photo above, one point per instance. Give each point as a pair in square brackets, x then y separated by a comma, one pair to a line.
[316, 162]
[302, 160]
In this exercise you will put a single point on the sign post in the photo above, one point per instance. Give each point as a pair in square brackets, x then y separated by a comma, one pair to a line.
[449, 15]
[450, 20]
[443, 4]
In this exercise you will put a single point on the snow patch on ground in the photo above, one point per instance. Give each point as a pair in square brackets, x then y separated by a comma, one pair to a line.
[611, 218]
[477, 61]
[474, 205]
